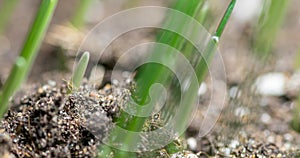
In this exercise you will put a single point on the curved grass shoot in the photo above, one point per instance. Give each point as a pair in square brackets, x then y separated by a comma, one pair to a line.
[80, 69]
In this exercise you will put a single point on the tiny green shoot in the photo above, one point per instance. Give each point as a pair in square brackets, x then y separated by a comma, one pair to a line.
[28, 54]
[80, 70]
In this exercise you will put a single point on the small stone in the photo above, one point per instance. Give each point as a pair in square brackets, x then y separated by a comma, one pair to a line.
[192, 143]
[234, 144]
[265, 118]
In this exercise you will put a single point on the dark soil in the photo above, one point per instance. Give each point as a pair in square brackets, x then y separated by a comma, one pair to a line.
[52, 123]
[46, 121]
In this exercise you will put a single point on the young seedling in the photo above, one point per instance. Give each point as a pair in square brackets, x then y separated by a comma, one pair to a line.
[80, 70]
[29, 52]
[269, 23]
[79, 17]
[154, 73]
[6, 9]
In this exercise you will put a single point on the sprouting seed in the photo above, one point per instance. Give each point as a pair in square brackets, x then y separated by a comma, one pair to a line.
[79, 72]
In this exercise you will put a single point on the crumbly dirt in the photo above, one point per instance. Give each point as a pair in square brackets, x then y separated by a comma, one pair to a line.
[48, 122]
[52, 123]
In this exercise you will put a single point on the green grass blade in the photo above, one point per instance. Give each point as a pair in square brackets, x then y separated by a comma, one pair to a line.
[225, 18]
[80, 70]
[29, 51]
[158, 73]
[80, 13]
[38, 31]
[153, 73]
[12, 84]
[269, 24]
[6, 9]
[172, 39]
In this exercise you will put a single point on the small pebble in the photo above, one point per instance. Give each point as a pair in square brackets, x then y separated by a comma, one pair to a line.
[192, 143]
[265, 118]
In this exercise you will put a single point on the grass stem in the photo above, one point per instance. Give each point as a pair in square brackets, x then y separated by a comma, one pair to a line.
[12, 83]
[29, 52]
[225, 19]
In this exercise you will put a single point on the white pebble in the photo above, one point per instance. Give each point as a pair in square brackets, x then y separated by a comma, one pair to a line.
[191, 155]
[271, 84]
[234, 144]
[288, 137]
[234, 92]
[202, 90]
[227, 151]
[52, 83]
[287, 146]
[271, 139]
[241, 111]
[246, 10]
[192, 143]
[265, 118]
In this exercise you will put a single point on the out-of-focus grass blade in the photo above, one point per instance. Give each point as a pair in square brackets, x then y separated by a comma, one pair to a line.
[6, 9]
[270, 21]
[80, 13]
[295, 123]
